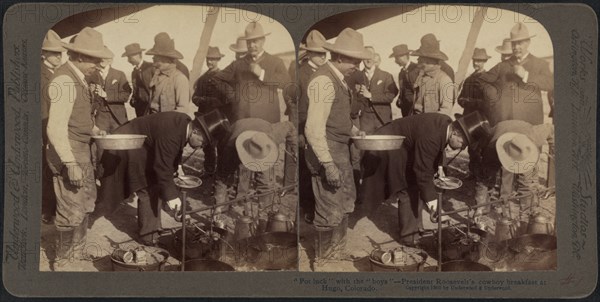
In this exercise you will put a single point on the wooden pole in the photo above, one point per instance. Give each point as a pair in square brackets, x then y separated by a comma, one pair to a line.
[209, 25]
[463, 64]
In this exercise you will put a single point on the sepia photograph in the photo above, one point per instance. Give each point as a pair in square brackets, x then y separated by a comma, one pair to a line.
[168, 141]
[426, 141]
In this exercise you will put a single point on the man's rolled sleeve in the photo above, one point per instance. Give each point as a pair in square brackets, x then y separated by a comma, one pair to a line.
[321, 94]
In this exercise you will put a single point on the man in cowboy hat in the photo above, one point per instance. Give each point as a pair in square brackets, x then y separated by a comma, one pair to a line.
[148, 171]
[169, 86]
[314, 57]
[409, 172]
[409, 72]
[52, 49]
[70, 128]
[505, 50]
[208, 98]
[255, 144]
[434, 88]
[239, 48]
[514, 87]
[514, 148]
[255, 79]
[141, 76]
[328, 130]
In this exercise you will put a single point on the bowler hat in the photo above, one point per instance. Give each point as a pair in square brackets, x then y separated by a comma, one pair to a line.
[505, 48]
[257, 150]
[90, 43]
[239, 46]
[254, 31]
[400, 50]
[519, 32]
[132, 49]
[52, 42]
[214, 53]
[480, 54]
[213, 123]
[517, 152]
[349, 43]
[164, 46]
[430, 48]
[474, 126]
[314, 42]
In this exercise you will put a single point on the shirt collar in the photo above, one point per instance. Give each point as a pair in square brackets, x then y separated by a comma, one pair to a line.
[50, 66]
[257, 56]
[78, 72]
[313, 65]
[523, 58]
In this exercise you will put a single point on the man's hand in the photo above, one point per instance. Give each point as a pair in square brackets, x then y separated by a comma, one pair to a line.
[180, 171]
[174, 204]
[365, 92]
[432, 206]
[440, 172]
[75, 174]
[302, 142]
[520, 71]
[256, 69]
[96, 131]
[333, 174]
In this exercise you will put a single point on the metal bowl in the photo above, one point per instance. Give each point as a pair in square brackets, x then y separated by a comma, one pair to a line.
[187, 181]
[447, 182]
[119, 141]
[156, 261]
[378, 142]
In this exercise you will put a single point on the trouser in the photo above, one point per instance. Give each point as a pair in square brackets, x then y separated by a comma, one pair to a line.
[149, 209]
[331, 204]
[72, 203]
[409, 215]
[210, 157]
[523, 183]
[48, 196]
[307, 198]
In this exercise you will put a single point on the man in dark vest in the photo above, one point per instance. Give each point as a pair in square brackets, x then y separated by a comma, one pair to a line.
[409, 72]
[140, 79]
[70, 128]
[328, 130]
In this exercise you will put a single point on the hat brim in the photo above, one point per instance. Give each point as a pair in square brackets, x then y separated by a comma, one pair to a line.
[512, 165]
[255, 36]
[362, 54]
[400, 54]
[101, 54]
[481, 58]
[54, 48]
[233, 48]
[173, 54]
[215, 57]
[251, 163]
[314, 49]
[127, 54]
[521, 38]
[438, 55]
[502, 51]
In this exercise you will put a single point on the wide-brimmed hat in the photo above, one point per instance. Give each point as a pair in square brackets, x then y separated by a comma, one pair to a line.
[505, 48]
[132, 49]
[519, 32]
[90, 43]
[214, 53]
[254, 31]
[213, 123]
[517, 153]
[53, 43]
[164, 46]
[480, 54]
[474, 126]
[430, 48]
[314, 42]
[400, 50]
[257, 150]
[349, 43]
[239, 46]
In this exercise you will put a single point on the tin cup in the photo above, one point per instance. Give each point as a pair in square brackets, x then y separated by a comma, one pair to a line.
[123, 255]
[398, 256]
[140, 256]
[382, 256]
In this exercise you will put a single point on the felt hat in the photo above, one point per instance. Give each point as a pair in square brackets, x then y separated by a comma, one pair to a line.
[132, 49]
[214, 53]
[164, 46]
[480, 54]
[254, 31]
[349, 43]
[517, 153]
[474, 126]
[257, 150]
[239, 46]
[314, 42]
[400, 50]
[52, 42]
[90, 43]
[430, 48]
[213, 123]
[505, 48]
[519, 32]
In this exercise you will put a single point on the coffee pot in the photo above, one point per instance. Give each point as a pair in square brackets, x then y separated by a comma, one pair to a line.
[539, 224]
[505, 229]
[278, 222]
[245, 228]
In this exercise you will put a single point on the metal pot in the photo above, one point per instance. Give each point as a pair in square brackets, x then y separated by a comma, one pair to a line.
[505, 230]
[245, 228]
[456, 245]
[539, 224]
[119, 141]
[378, 142]
[279, 222]
[200, 244]
[207, 265]
[271, 251]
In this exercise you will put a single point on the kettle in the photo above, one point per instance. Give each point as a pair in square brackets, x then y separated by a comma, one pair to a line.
[245, 228]
[505, 229]
[538, 224]
[279, 222]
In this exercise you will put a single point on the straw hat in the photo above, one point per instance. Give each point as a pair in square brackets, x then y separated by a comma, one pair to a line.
[132, 49]
[239, 46]
[400, 50]
[314, 42]
[254, 31]
[517, 153]
[480, 54]
[214, 53]
[519, 32]
[90, 43]
[257, 151]
[505, 48]
[52, 42]
[430, 48]
[164, 46]
[349, 43]
[213, 123]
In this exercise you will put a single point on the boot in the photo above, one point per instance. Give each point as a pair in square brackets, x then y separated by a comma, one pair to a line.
[64, 247]
[339, 240]
[322, 246]
[80, 233]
